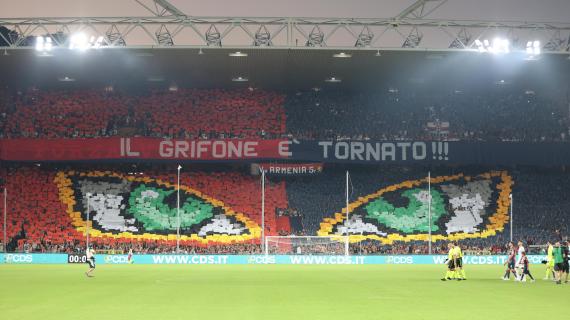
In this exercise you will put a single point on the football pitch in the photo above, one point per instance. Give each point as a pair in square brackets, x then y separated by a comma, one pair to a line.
[273, 292]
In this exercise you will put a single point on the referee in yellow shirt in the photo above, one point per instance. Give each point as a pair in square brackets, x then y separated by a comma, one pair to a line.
[450, 273]
[549, 262]
[458, 256]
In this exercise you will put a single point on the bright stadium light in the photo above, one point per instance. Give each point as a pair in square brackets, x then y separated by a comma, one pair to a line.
[43, 44]
[40, 43]
[506, 45]
[80, 41]
[333, 80]
[479, 45]
[342, 55]
[66, 79]
[238, 54]
[498, 46]
[240, 79]
[48, 44]
[536, 46]
[533, 48]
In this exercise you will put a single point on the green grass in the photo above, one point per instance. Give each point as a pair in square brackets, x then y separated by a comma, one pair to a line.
[272, 292]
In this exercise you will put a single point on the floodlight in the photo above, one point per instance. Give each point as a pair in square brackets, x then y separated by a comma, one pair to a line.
[333, 80]
[48, 44]
[40, 43]
[533, 48]
[498, 45]
[66, 79]
[505, 46]
[43, 44]
[79, 41]
[529, 48]
[480, 46]
[237, 54]
[342, 55]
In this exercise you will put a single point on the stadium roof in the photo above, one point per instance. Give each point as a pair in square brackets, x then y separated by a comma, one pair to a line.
[281, 69]
[426, 24]
[522, 10]
[159, 42]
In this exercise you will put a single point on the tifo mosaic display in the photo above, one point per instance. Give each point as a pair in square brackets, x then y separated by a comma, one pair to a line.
[145, 208]
[462, 207]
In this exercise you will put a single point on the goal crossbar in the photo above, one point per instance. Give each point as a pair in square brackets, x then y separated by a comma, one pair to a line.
[333, 245]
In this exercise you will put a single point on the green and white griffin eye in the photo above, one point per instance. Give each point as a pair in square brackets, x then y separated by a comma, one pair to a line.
[142, 208]
[461, 207]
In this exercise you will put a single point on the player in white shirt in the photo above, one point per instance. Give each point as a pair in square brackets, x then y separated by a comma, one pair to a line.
[90, 254]
[519, 264]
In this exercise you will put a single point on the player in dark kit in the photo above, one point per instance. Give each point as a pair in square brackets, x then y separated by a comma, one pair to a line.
[525, 270]
[510, 263]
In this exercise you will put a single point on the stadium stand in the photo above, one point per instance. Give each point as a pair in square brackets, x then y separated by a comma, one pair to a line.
[70, 114]
[190, 113]
[502, 115]
[540, 210]
[39, 219]
[187, 113]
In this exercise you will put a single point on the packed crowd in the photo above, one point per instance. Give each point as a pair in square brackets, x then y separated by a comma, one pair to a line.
[186, 113]
[362, 248]
[492, 115]
[540, 199]
[375, 247]
[38, 220]
[499, 115]
[139, 248]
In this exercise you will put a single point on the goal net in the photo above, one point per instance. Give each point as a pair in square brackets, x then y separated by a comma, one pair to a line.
[306, 245]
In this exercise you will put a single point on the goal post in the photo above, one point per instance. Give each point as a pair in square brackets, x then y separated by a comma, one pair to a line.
[307, 245]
